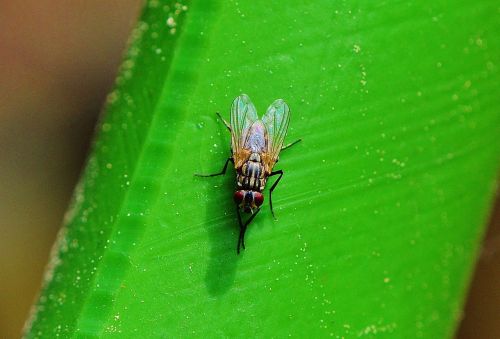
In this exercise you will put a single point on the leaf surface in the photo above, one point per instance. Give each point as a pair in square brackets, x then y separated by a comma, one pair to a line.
[381, 208]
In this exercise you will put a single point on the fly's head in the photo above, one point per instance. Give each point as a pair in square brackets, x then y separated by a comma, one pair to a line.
[248, 201]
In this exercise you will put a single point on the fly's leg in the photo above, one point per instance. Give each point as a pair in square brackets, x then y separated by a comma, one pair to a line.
[280, 173]
[243, 228]
[290, 144]
[228, 159]
[216, 174]
[242, 231]
[224, 121]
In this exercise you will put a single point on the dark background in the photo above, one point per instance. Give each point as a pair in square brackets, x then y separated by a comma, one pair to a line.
[57, 62]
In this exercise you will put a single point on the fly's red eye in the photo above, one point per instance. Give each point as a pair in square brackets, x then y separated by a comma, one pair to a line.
[238, 197]
[258, 198]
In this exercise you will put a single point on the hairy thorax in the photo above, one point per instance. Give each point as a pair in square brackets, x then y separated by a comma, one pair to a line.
[251, 175]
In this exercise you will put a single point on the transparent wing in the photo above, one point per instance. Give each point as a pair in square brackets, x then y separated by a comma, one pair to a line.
[276, 121]
[243, 115]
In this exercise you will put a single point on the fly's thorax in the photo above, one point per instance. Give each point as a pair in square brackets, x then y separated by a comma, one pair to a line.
[251, 175]
[250, 183]
[254, 157]
[252, 169]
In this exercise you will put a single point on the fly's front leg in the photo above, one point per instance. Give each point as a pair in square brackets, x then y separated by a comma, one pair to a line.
[216, 174]
[224, 121]
[280, 173]
[243, 228]
[242, 231]
[290, 144]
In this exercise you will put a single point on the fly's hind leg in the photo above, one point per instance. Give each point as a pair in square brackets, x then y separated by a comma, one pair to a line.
[290, 144]
[280, 173]
[216, 174]
[224, 121]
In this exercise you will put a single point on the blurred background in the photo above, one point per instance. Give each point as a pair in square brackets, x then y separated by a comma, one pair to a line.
[58, 60]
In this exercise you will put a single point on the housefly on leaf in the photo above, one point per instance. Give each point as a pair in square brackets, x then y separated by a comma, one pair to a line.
[255, 146]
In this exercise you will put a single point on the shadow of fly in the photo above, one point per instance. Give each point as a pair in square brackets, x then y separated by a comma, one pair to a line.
[255, 147]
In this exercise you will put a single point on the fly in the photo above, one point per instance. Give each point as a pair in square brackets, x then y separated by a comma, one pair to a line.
[255, 147]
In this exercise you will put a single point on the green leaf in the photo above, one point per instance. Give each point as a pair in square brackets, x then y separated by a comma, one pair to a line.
[381, 208]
